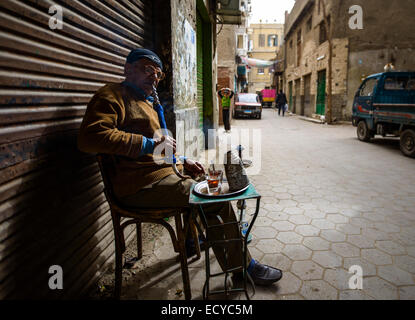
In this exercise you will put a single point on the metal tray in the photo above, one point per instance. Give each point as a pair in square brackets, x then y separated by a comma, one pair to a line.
[201, 190]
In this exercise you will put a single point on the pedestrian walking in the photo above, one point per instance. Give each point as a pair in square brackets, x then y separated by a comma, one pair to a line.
[281, 102]
[226, 96]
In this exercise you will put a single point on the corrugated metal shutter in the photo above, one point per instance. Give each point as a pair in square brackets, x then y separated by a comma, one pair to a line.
[200, 80]
[52, 207]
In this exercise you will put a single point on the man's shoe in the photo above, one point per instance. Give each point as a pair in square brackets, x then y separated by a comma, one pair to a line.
[264, 275]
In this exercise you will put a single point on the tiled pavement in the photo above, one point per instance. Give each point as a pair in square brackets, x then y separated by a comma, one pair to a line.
[329, 202]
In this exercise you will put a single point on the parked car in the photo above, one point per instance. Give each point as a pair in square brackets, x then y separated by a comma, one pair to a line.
[247, 105]
[385, 105]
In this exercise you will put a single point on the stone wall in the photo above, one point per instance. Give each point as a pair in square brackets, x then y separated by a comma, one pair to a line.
[314, 58]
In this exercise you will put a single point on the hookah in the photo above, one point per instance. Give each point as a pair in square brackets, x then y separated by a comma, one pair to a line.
[160, 112]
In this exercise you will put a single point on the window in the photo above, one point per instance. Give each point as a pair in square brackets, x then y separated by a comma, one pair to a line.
[399, 83]
[250, 45]
[368, 87]
[262, 40]
[273, 40]
[323, 33]
[261, 71]
[309, 24]
[240, 41]
[298, 48]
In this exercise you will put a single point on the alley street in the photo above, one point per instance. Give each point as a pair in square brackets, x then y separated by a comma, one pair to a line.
[329, 202]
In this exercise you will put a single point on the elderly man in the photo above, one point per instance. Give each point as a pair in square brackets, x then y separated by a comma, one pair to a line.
[120, 120]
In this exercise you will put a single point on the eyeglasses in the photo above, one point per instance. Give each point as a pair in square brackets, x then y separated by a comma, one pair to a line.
[150, 70]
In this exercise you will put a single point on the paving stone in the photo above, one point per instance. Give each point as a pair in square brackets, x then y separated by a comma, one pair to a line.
[263, 222]
[315, 214]
[307, 270]
[333, 235]
[316, 243]
[300, 219]
[345, 250]
[293, 211]
[360, 241]
[347, 228]
[407, 293]
[288, 203]
[277, 216]
[279, 189]
[337, 218]
[289, 237]
[390, 247]
[368, 268]
[354, 295]
[323, 224]
[297, 252]
[395, 275]
[282, 196]
[411, 250]
[376, 256]
[379, 289]
[264, 232]
[307, 206]
[289, 284]
[406, 263]
[255, 253]
[283, 226]
[361, 222]
[318, 290]
[269, 246]
[279, 261]
[338, 278]
[307, 230]
[327, 259]
[375, 234]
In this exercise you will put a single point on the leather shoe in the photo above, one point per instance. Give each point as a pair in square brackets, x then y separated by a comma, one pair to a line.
[264, 275]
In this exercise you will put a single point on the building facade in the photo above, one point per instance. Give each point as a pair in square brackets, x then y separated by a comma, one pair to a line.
[264, 39]
[357, 53]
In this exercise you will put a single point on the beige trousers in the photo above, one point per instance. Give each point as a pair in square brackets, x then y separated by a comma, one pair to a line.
[172, 192]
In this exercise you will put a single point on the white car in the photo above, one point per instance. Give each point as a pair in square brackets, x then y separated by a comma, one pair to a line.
[247, 105]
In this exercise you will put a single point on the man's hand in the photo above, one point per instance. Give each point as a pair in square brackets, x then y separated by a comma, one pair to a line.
[194, 167]
[169, 144]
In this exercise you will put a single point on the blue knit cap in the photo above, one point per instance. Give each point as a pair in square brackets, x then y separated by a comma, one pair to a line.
[139, 53]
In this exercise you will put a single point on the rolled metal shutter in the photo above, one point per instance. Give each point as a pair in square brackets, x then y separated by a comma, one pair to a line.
[52, 207]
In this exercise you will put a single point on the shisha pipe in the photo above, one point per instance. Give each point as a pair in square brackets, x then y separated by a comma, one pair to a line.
[160, 112]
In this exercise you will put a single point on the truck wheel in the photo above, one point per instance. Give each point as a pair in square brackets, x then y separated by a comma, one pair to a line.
[407, 143]
[363, 133]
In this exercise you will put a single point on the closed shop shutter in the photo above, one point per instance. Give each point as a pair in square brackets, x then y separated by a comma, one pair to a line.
[200, 77]
[52, 207]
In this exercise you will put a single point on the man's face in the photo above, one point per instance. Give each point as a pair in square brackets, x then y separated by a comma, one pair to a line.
[145, 74]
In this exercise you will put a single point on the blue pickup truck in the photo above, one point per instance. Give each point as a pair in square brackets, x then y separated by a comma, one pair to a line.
[385, 105]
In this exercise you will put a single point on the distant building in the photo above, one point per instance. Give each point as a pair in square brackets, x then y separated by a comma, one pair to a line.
[264, 39]
[386, 37]
[232, 42]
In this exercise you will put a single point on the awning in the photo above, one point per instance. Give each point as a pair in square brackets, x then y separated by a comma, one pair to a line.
[258, 63]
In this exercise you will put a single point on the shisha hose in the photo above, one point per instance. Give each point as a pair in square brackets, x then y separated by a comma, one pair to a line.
[159, 109]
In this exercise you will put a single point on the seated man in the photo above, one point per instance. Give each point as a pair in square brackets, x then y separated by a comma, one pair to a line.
[120, 121]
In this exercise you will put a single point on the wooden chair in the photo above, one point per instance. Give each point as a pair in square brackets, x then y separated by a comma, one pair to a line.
[143, 215]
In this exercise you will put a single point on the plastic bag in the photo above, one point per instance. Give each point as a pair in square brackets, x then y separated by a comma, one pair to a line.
[286, 107]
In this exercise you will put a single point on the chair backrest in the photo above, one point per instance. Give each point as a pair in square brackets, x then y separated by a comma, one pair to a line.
[107, 166]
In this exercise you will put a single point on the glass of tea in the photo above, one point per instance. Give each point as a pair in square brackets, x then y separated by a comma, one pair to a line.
[214, 181]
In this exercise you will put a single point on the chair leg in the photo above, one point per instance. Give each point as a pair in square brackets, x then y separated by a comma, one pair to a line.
[119, 250]
[139, 242]
[183, 257]
[195, 236]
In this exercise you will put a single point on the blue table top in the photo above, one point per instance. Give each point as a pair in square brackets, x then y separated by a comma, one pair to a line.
[249, 193]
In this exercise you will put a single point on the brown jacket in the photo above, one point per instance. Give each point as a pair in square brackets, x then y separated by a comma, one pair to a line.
[114, 123]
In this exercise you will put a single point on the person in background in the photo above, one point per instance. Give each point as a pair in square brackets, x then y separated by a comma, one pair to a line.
[226, 96]
[281, 102]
